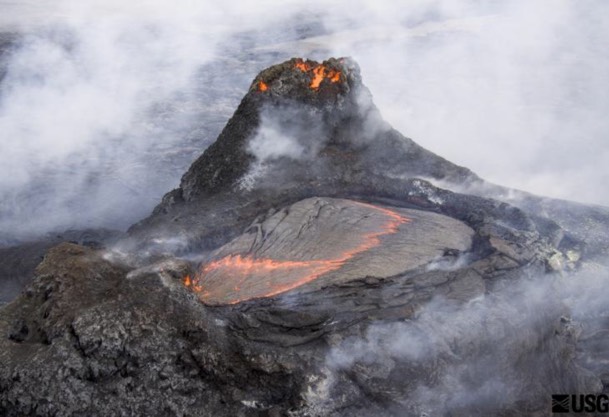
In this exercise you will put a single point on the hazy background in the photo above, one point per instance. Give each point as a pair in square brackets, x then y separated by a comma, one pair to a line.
[103, 105]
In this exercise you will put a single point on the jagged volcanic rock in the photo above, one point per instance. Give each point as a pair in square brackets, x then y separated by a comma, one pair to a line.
[19, 262]
[328, 280]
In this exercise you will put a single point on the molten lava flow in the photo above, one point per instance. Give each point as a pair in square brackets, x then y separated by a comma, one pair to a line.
[318, 73]
[262, 86]
[237, 278]
[318, 77]
[303, 66]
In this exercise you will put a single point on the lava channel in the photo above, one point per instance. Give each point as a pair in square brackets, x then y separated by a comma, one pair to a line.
[236, 278]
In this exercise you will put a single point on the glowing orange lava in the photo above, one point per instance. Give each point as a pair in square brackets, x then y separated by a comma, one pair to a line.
[250, 277]
[319, 73]
[303, 66]
[262, 86]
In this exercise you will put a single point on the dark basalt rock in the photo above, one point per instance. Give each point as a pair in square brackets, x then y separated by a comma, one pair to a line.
[478, 325]
[20, 261]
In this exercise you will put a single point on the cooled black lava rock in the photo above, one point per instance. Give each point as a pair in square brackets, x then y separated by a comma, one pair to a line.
[19, 261]
[471, 321]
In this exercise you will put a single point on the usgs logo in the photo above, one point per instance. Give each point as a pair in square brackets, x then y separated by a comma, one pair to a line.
[580, 403]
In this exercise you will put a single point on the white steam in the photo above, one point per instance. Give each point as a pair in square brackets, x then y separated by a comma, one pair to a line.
[271, 143]
[513, 90]
[284, 133]
[474, 348]
[105, 104]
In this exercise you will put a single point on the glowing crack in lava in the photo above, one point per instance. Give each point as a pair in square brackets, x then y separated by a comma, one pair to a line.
[319, 73]
[262, 86]
[236, 278]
